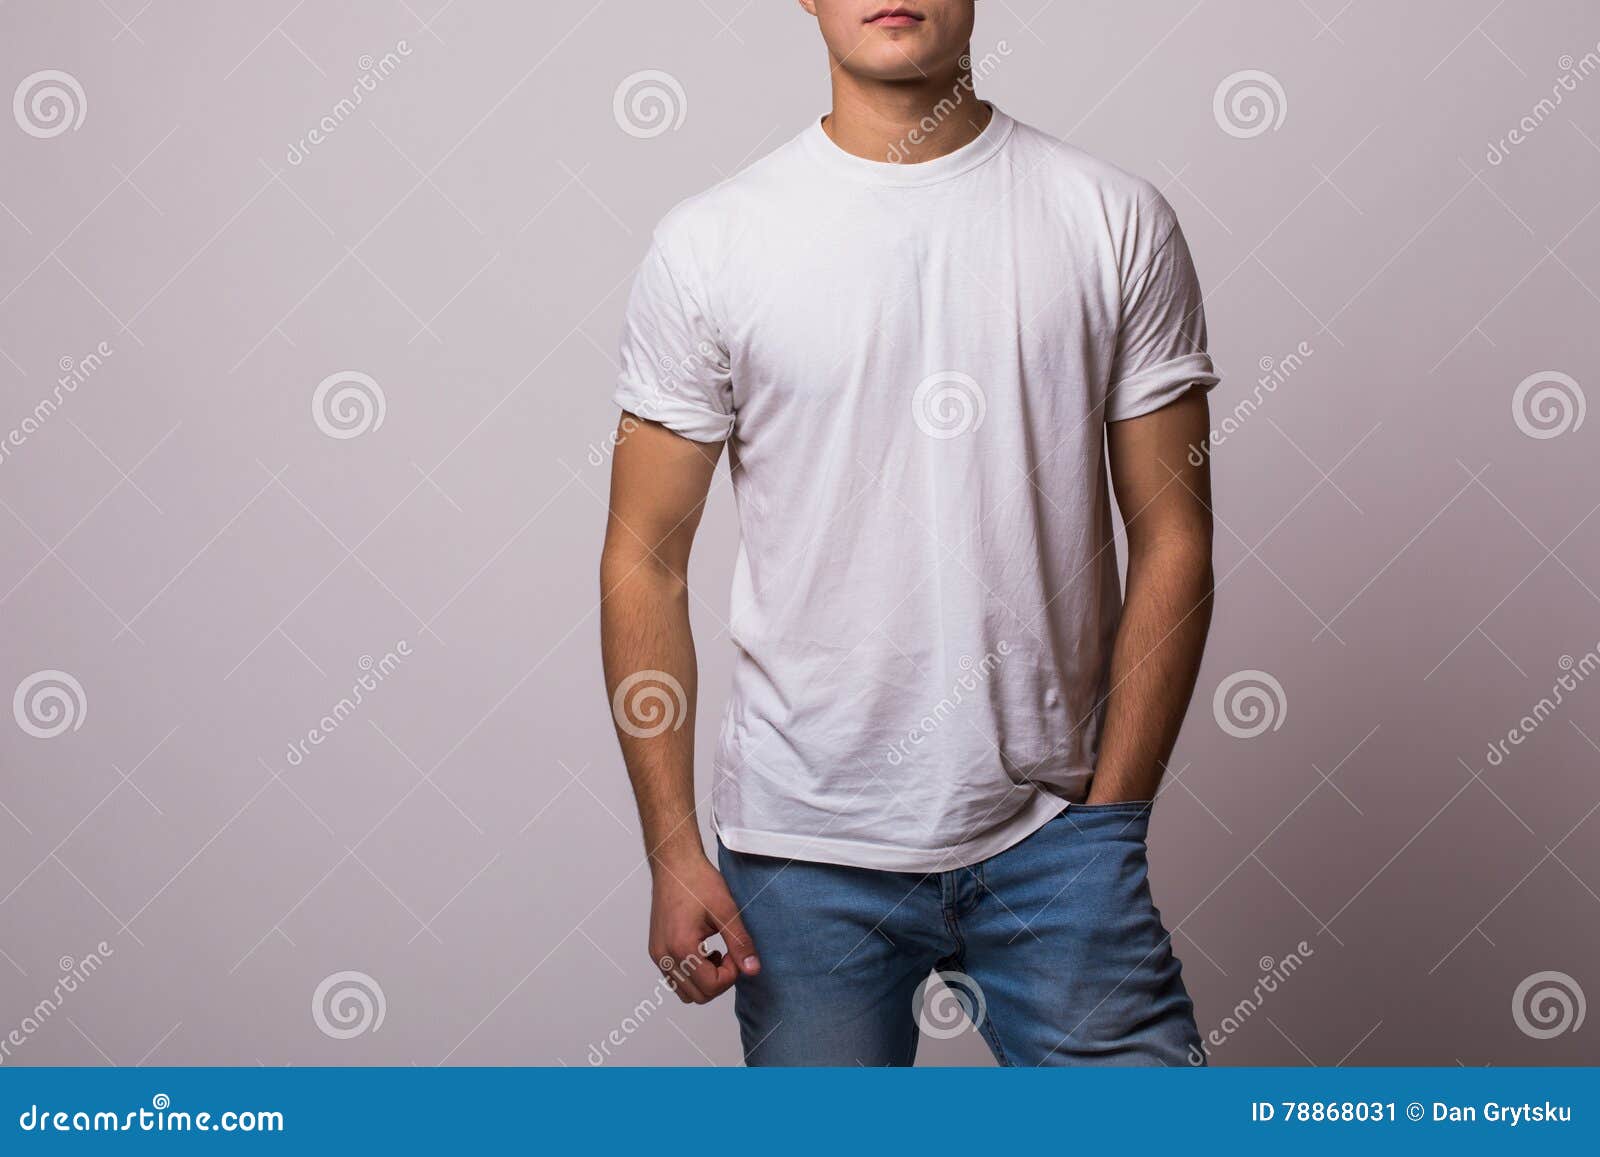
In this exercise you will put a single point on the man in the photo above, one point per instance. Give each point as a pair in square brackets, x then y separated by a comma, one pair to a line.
[919, 327]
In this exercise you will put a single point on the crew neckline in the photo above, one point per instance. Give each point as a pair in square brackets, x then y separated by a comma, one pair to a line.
[976, 151]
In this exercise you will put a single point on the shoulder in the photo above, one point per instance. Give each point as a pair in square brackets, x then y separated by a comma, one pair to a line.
[1129, 204]
[704, 223]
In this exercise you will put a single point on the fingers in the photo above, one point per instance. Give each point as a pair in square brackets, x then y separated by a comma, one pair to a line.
[688, 974]
[741, 948]
[696, 973]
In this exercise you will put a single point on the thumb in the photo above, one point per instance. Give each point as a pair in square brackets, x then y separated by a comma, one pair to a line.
[741, 948]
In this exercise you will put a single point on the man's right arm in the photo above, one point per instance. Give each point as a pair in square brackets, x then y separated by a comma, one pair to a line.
[659, 482]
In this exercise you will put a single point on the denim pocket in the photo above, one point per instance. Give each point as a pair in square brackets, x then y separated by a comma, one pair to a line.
[1126, 822]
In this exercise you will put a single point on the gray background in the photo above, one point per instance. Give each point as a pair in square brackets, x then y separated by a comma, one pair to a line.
[183, 539]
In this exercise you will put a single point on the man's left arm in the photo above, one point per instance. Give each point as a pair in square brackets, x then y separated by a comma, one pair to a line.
[1165, 501]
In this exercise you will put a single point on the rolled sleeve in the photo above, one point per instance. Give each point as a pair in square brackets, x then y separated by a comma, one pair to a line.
[674, 367]
[1161, 341]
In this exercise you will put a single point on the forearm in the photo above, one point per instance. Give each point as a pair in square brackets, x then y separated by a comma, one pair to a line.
[1154, 663]
[648, 652]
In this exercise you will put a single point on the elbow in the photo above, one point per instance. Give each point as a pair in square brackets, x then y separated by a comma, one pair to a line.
[632, 566]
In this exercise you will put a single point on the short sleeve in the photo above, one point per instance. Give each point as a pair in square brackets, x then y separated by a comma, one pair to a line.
[1161, 341]
[674, 367]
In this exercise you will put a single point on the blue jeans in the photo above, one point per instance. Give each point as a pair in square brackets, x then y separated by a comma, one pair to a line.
[1053, 948]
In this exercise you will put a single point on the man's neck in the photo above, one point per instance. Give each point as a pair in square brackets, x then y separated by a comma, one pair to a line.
[907, 122]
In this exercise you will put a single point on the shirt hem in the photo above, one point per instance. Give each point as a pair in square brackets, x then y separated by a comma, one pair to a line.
[1159, 386]
[697, 423]
[1043, 808]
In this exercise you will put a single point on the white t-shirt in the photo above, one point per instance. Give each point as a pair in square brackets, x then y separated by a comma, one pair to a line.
[913, 365]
